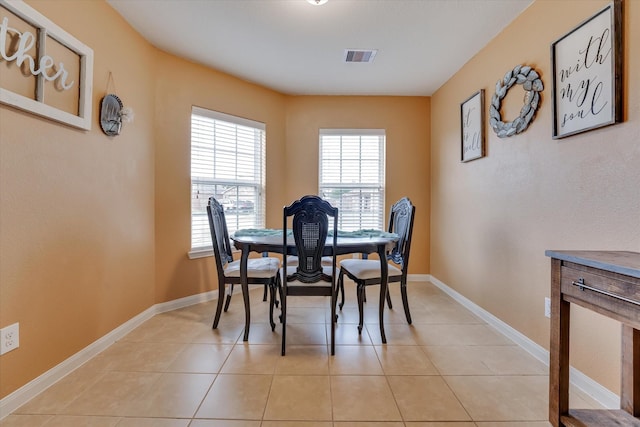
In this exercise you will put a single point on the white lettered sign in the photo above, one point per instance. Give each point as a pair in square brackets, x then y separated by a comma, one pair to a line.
[587, 74]
[472, 127]
[44, 69]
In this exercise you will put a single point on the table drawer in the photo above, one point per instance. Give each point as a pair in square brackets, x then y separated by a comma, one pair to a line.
[610, 293]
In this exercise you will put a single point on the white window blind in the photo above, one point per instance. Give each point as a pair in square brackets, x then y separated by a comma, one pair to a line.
[227, 162]
[352, 176]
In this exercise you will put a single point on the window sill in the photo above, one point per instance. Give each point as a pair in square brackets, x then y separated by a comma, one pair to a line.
[200, 253]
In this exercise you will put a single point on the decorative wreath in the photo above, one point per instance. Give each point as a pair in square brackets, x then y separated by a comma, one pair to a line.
[530, 81]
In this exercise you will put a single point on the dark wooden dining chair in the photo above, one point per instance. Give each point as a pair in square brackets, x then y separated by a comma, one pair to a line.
[260, 271]
[311, 218]
[366, 272]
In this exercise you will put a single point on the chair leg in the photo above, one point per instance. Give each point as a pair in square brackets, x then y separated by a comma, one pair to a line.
[334, 300]
[272, 296]
[283, 319]
[405, 301]
[360, 294]
[216, 318]
[228, 299]
[389, 299]
[264, 295]
[341, 286]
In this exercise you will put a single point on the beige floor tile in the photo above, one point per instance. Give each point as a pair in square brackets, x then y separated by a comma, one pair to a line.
[224, 423]
[368, 424]
[484, 360]
[137, 356]
[297, 424]
[447, 312]
[223, 334]
[174, 395]
[347, 334]
[304, 315]
[426, 398]
[252, 359]
[304, 360]
[154, 422]
[167, 327]
[363, 398]
[404, 360]
[515, 424]
[502, 398]
[306, 334]
[397, 334]
[458, 334]
[439, 424]
[355, 360]
[236, 397]
[261, 333]
[299, 397]
[83, 421]
[200, 358]
[112, 393]
[17, 420]
[57, 397]
[348, 314]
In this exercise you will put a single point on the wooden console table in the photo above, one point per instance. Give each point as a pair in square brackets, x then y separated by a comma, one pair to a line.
[607, 283]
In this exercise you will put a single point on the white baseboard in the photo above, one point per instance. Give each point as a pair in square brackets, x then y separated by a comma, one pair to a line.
[30, 390]
[600, 394]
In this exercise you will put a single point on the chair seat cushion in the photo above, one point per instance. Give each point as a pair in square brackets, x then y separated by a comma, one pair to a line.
[256, 267]
[365, 269]
[326, 261]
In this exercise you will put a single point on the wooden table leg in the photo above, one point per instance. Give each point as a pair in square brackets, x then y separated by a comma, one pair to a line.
[630, 380]
[384, 278]
[558, 349]
[244, 282]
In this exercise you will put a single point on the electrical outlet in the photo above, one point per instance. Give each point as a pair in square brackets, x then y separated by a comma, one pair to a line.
[9, 338]
[547, 307]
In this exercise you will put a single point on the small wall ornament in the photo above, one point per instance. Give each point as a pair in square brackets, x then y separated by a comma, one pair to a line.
[113, 113]
[532, 84]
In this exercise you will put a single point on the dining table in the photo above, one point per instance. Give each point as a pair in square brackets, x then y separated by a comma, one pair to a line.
[348, 242]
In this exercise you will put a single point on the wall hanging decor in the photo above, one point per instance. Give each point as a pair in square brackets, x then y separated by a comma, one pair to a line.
[472, 127]
[587, 74]
[45, 70]
[530, 80]
[112, 112]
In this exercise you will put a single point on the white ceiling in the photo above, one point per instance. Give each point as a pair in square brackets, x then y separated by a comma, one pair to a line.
[297, 48]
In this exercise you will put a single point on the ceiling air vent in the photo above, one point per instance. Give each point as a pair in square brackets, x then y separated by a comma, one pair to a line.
[359, 55]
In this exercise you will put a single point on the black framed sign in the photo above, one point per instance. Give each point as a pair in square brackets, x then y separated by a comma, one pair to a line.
[587, 74]
[472, 127]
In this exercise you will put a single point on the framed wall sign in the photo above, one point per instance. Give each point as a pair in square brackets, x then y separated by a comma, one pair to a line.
[43, 69]
[472, 127]
[587, 74]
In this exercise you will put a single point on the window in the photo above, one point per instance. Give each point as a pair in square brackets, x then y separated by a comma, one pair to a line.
[352, 176]
[227, 162]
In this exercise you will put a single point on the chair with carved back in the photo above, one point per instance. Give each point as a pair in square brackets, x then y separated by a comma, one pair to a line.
[260, 271]
[311, 220]
[366, 272]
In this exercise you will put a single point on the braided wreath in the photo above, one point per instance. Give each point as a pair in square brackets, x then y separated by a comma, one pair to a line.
[531, 83]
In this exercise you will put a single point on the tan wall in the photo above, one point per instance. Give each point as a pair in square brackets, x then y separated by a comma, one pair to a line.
[76, 207]
[407, 124]
[492, 219]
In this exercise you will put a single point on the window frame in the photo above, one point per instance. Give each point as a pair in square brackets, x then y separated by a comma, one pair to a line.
[258, 181]
[381, 170]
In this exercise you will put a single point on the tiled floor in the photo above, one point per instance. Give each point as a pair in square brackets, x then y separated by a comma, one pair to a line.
[448, 369]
